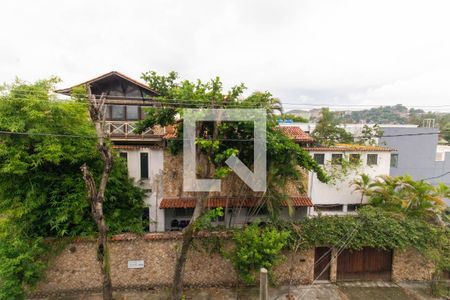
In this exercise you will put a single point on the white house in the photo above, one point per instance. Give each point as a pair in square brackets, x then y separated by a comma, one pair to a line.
[126, 100]
[338, 196]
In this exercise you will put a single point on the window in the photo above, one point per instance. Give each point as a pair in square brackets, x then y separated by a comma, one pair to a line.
[394, 160]
[132, 112]
[184, 212]
[108, 112]
[124, 156]
[355, 158]
[336, 159]
[319, 158]
[372, 159]
[144, 165]
[353, 207]
[329, 207]
[118, 112]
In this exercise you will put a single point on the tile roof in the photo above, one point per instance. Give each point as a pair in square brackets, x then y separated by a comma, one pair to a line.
[171, 132]
[351, 147]
[135, 147]
[67, 91]
[297, 201]
[296, 133]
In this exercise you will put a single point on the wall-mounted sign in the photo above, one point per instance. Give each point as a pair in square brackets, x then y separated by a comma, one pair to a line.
[135, 264]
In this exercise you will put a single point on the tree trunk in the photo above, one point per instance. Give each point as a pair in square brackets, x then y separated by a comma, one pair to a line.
[200, 205]
[188, 236]
[97, 195]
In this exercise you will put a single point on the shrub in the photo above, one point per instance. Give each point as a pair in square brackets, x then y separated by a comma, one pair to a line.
[257, 248]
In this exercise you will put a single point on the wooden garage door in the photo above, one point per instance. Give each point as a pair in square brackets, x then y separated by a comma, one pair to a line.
[322, 258]
[365, 264]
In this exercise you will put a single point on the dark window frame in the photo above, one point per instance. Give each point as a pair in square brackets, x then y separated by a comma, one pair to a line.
[124, 112]
[329, 207]
[336, 158]
[394, 165]
[369, 163]
[109, 109]
[320, 161]
[124, 156]
[354, 157]
[183, 212]
[144, 165]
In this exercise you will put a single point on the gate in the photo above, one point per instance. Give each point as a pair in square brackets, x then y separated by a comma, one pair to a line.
[322, 258]
[365, 264]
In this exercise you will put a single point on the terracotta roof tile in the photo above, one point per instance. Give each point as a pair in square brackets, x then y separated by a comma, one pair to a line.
[213, 202]
[135, 147]
[351, 147]
[295, 132]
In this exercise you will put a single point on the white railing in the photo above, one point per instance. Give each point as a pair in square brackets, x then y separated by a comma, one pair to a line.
[125, 128]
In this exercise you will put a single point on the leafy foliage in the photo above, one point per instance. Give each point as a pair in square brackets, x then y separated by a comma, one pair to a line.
[19, 265]
[42, 192]
[204, 222]
[373, 227]
[285, 158]
[403, 194]
[328, 133]
[369, 134]
[257, 248]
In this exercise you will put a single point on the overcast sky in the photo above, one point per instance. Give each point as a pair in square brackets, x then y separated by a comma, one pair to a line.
[342, 52]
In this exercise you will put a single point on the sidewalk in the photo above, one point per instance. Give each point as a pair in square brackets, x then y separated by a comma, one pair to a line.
[323, 291]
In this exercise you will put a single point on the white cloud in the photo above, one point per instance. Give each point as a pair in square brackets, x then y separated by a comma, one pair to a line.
[327, 51]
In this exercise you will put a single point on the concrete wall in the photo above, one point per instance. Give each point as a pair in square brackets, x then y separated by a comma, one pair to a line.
[417, 149]
[341, 191]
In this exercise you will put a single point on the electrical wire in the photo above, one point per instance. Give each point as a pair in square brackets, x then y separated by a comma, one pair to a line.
[435, 177]
[175, 101]
[181, 139]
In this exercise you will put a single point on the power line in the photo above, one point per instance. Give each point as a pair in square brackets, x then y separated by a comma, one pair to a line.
[48, 134]
[435, 177]
[176, 139]
[175, 101]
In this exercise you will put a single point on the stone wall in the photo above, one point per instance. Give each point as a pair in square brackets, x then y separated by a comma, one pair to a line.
[76, 269]
[410, 265]
[231, 186]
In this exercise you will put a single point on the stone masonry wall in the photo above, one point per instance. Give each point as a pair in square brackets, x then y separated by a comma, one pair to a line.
[410, 265]
[76, 268]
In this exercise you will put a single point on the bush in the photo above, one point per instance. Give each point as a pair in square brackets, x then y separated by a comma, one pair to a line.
[257, 248]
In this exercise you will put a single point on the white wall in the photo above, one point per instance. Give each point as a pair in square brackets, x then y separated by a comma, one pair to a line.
[341, 191]
[155, 168]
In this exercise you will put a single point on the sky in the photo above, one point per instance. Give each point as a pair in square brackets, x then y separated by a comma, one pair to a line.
[340, 53]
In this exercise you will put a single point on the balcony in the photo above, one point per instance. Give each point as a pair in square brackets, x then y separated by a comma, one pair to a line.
[124, 130]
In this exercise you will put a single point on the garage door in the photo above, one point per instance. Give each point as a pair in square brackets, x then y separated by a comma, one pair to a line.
[365, 264]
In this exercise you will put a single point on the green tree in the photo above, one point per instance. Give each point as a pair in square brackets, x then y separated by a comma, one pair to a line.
[328, 132]
[414, 198]
[363, 185]
[369, 134]
[294, 118]
[42, 192]
[257, 248]
[216, 141]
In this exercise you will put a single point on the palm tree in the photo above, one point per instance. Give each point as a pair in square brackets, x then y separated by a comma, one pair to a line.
[363, 185]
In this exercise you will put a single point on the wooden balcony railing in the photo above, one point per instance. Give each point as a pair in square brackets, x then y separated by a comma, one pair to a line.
[125, 129]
